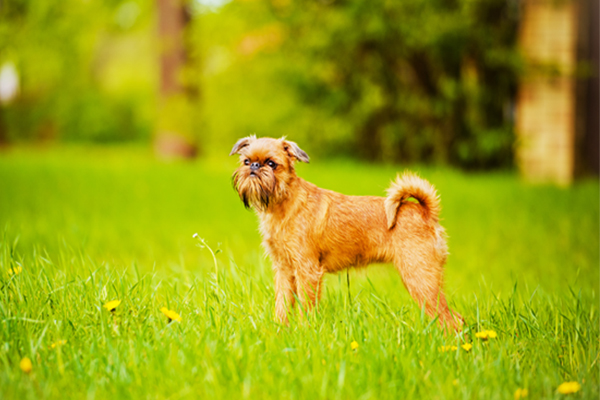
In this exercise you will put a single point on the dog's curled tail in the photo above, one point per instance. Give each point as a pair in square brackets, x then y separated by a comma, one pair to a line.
[405, 187]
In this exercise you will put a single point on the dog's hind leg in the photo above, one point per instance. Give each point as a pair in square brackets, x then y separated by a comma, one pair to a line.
[422, 275]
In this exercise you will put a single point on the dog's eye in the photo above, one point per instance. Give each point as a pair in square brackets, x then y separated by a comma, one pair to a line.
[271, 164]
[246, 162]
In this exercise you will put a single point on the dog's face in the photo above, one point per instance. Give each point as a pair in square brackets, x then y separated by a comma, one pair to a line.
[266, 169]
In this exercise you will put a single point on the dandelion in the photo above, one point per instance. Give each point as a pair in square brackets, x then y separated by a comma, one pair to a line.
[172, 315]
[467, 347]
[56, 344]
[444, 349]
[26, 365]
[111, 305]
[14, 271]
[354, 345]
[521, 393]
[569, 387]
[485, 335]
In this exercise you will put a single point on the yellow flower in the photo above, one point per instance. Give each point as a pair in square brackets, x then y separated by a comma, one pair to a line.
[467, 346]
[14, 271]
[455, 382]
[172, 315]
[25, 365]
[569, 387]
[447, 348]
[521, 393]
[485, 335]
[56, 344]
[354, 345]
[111, 305]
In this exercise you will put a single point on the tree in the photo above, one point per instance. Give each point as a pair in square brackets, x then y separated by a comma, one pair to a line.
[413, 80]
[174, 136]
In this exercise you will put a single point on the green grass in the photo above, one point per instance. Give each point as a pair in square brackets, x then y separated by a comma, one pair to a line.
[92, 225]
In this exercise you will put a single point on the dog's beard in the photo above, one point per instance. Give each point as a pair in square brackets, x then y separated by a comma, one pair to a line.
[257, 190]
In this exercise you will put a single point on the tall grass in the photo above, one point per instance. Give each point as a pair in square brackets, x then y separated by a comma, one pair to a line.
[81, 231]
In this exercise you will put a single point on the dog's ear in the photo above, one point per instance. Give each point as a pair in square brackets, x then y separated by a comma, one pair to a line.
[240, 144]
[293, 150]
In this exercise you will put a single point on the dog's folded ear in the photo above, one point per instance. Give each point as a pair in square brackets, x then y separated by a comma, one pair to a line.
[294, 151]
[240, 144]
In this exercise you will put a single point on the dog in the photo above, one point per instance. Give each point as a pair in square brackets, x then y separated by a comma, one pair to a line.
[308, 231]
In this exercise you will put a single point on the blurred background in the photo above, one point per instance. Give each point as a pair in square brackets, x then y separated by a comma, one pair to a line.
[475, 84]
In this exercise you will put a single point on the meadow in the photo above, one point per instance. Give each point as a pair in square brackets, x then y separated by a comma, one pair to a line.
[82, 226]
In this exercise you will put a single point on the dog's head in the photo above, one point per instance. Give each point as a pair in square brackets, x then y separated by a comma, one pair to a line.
[266, 170]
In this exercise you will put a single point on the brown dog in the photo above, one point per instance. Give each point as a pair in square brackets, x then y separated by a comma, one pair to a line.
[308, 231]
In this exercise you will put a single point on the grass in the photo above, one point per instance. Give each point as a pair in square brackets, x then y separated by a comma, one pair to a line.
[86, 226]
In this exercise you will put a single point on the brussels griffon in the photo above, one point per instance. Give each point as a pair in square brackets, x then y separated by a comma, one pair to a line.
[308, 231]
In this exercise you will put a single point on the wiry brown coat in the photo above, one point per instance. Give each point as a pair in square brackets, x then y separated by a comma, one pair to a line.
[308, 231]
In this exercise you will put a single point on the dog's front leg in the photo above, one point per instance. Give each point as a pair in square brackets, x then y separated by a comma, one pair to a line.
[308, 284]
[285, 287]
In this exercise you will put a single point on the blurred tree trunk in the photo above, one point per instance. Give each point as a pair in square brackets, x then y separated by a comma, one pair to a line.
[369, 136]
[174, 136]
[3, 130]
[588, 157]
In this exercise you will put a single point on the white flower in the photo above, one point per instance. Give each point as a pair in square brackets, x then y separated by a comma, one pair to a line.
[195, 235]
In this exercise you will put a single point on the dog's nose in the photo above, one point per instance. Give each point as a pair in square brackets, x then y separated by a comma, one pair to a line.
[254, 166]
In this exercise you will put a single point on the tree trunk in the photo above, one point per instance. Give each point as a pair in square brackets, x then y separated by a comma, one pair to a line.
[174, 135]
[3, 130]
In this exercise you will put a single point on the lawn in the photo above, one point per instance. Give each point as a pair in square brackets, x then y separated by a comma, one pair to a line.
[83, 226]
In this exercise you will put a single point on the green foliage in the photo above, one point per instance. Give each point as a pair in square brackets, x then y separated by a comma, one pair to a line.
[65, 53]
[87, 226]
[415, 80]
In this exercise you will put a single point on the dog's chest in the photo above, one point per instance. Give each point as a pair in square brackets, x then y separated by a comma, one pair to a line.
[273, 227]
[278, 235]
